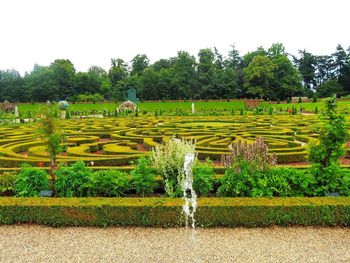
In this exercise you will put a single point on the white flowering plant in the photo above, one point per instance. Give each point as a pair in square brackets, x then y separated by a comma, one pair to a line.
[168, 160]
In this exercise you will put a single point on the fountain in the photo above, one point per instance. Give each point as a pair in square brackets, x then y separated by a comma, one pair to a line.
[189, 195]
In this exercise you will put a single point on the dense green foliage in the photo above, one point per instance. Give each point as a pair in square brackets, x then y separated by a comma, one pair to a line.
[166, 212]
[31, 181]
[325, 153]
[109, 183]
[143, 177]
[72, 181]
[7, 183]
[203, 178]
[260, 73]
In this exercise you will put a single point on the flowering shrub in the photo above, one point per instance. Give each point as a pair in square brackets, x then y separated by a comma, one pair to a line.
[168, 160]
[255, 154]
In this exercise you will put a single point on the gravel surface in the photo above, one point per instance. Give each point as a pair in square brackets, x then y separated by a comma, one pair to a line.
[31, 243]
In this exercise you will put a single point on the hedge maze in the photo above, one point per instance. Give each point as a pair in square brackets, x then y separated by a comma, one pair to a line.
[116, 142]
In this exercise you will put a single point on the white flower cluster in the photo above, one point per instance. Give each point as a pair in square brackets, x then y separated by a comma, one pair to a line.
[169, 159]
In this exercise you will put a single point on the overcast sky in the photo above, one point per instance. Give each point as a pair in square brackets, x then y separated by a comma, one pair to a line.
[91, 32]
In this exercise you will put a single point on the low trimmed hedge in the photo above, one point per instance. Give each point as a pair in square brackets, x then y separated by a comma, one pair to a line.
[166, 212]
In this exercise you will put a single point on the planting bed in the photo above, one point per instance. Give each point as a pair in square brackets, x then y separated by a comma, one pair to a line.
[116, 142]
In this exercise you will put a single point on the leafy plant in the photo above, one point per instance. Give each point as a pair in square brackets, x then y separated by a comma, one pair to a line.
[49, 131]
[143, 177]
[110, 183]
[325, 153]
[256, 154]
[7, 183]
[168, 161]
[31, 181]
[72, 181]
[203, 177]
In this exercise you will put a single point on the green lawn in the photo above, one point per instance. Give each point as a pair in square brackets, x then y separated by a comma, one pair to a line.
[149, 106]
[308, 106]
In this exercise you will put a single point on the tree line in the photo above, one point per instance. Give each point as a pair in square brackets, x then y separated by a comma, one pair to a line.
[269, 74]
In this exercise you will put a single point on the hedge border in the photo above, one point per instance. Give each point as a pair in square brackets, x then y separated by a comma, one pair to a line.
[166, 212]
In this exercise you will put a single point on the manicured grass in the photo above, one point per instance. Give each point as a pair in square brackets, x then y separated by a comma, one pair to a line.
[308, 106]
[148, 106]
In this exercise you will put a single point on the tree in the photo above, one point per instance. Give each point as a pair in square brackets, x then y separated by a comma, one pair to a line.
[286, 81]
[11, 86]
[306, 65]
[325, 154]
[39, 85]
[184, 76]
[49, 130]
[118, 73]
[258, 76]
[63, 76]
[138, 64]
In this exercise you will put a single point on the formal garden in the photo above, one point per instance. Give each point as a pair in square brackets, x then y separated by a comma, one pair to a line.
[252, 167]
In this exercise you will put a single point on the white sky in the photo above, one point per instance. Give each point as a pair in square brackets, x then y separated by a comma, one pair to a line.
[91, 32]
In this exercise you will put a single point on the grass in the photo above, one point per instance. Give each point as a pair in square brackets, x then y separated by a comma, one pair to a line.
[148, 106]
[308, 106]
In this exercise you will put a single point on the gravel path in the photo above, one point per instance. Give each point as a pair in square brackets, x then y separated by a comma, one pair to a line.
[31, 243]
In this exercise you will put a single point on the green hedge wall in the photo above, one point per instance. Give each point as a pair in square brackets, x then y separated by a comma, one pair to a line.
[166, 212]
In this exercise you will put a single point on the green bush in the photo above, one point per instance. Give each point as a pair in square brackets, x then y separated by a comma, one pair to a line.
[143, 177]
[203, 177]
[109, 183]
[281, 182]
[166, 212]
[7, 183]
[72, 180]
[31, 181]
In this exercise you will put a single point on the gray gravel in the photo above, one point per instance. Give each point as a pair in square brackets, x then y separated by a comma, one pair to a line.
[31, 243]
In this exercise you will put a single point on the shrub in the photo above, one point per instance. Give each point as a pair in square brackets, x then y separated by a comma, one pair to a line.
[72, 181]
[143, 177]
[7, 183]
[281, 182]
[288, 100]
[109, 183]
[325, 153]
[203, 177]
[31, 181]
[168, 161]
[256, 154]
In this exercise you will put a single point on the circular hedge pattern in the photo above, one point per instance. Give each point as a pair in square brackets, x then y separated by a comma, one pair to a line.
[119, 141]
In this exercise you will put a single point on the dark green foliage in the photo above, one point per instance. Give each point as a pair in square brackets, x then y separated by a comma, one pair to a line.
[68, 115]
[109, 183]
[72, 181]
[203, 177]
[270, 111]
[288, 100]
[166, 212]
[333, 134]
[143, 177]
[325, 154]
[7, 183]
[31, 181]
[316, 110]
[314, 99]
[299, 100]
[281, 182]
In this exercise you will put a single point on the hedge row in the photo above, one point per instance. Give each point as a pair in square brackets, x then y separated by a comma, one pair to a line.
[166, 212]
